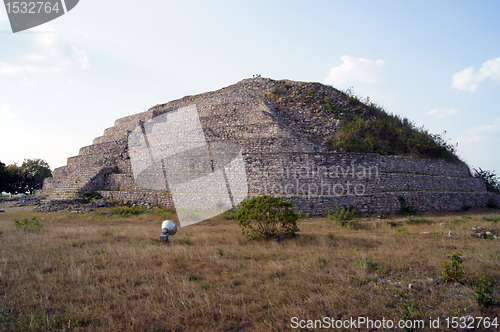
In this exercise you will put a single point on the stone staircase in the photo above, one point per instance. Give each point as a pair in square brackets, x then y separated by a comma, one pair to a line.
[82, 180]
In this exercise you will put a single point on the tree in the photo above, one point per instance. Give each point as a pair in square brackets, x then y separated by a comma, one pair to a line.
[4, 177]
[489, 178]
[14, 183]
[267, 217]
[33, 171]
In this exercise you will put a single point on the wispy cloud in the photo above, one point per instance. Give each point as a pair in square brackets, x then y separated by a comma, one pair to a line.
[482, 133]
[469, 79]
[439, 113]
[48, 53]
[355, 70]
[8, 111]
[81, 58]
[29, 82]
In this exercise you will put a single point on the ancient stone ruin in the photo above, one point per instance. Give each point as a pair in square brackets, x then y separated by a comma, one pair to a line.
[282, 151]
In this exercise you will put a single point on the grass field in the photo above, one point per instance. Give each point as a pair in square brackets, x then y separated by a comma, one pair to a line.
[112, 274]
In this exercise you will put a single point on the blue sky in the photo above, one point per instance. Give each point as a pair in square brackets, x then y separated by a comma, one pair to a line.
[64, 82]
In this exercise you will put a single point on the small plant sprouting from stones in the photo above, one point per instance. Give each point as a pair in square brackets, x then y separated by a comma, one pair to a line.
[453, 270]
[406, 209]
[221, 252]
[484, 291]
[28, 225]
[409, 313]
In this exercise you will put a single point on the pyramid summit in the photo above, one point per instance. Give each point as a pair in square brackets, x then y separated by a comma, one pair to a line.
[306, 142]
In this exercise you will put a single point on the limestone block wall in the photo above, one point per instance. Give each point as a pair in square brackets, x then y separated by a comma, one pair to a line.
[159, 198]
[82, 180]
[389, 202]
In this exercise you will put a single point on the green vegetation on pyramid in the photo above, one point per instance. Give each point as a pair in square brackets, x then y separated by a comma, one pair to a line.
[362, 127]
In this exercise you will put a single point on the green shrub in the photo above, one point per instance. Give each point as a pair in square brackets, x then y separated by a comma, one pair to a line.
[453, 271]
[267, 217]
[231, 214]
[484, 291]
[340, 215]
[125, 211]
[93, 196]
[490, 179]
[128, 211]
[406, 210]
[28, 225]
[346, 217]
[389, 135]
[409, 313]
[492, 204]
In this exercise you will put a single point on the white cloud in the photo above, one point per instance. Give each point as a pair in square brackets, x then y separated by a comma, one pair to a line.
[75, 30]
[81, 58]
[47, 54]
[29, 82]
[438, 113]
[23, 66]
[7, 111]
[32, 57]
[6, 68]
[483, 133]
[355, 70]
[469, 79]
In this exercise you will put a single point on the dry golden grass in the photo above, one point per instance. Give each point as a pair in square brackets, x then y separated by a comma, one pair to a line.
[113, 275]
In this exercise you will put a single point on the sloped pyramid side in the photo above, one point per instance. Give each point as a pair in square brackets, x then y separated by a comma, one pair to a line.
[81, 181]
[239, 117]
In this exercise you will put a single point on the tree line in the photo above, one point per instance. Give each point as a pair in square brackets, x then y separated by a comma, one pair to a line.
[24, 179]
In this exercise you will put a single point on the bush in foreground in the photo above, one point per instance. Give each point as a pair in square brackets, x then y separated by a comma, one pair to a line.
[484, 289]
[28, 225]
[267, 217]
[453, 270]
